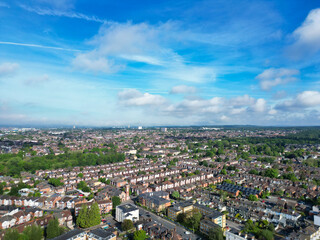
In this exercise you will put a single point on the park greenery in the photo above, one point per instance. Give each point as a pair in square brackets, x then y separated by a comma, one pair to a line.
[14, 164]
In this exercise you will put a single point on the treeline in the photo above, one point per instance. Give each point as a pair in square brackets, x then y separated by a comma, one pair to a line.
[14, 164]
[35, 232]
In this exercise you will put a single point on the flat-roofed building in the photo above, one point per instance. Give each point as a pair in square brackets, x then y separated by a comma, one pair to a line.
[127, 211]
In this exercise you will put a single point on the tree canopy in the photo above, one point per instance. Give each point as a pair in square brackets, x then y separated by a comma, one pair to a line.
[139, 235]
[53, 229]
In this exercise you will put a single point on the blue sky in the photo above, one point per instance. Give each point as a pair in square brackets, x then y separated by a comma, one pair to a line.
[118, 63]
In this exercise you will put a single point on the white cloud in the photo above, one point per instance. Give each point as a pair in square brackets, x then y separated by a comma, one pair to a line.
[90, 62]
[194, 74]
[127, 43]
[8, 68]
[307, 36]
[242, 100]
[306, 99]
[183, 89]
[239, 106]
[272, 77]
[224, 118]
[236, 111]
[272, 112]
[259, 106]
[215, 107]
[133, 97]
[279, 95]
[37, 80]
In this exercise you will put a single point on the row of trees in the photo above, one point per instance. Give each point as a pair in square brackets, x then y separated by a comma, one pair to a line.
[13, 164]
[35, 232]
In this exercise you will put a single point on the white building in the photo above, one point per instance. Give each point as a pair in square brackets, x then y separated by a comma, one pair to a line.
[24, 192]
[127, 211]
[317, 220]
[163, 129]
[234, 235]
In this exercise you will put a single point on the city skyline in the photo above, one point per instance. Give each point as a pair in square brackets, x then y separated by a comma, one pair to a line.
[168, 63]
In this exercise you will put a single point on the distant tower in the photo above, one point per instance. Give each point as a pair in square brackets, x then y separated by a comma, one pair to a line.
[128, 191]
[140, 127]
[74, 126]
[163, 129]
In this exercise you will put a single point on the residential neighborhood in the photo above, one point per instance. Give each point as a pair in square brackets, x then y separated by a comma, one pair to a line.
[195, 184]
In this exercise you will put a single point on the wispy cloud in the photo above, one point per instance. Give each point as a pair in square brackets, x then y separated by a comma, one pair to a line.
[3, 4]
[62, 13]
[8, 68]
[183, 89]
[39, 46]
[118, 45]
[276, 76]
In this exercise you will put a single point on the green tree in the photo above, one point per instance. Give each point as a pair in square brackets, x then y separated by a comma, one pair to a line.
[56, 182]
[223, 195]
[176, 195]
[33, 232]
[181, 218]
[197, 172]
[253, 198]
[80, 175]
[1, 189]
[272, 173]
[139, 235]
[215, 233]
[126, 225]
[94, 217]
[82, 219]
[11, 234]
[194, 220]
[265, 235]
[223, 172]
[53, 229]
[14, 191]
[115, 201]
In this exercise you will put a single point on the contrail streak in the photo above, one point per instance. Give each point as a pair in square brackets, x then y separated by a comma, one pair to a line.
[39, 46]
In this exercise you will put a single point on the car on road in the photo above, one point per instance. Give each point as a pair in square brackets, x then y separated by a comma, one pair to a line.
[187, 232]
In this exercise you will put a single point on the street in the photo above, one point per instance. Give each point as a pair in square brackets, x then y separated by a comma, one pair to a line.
[234, 225]
[170, 225]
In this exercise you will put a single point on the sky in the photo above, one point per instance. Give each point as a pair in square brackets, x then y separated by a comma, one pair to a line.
[159, 63]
